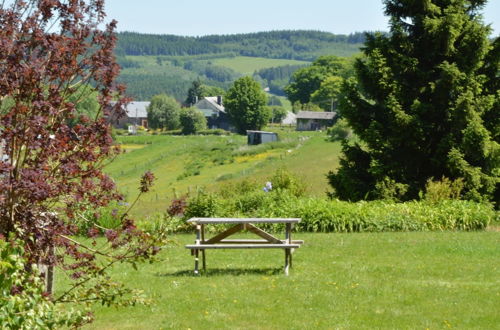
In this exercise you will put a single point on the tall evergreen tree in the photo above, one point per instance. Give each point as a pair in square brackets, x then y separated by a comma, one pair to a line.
[425, 105]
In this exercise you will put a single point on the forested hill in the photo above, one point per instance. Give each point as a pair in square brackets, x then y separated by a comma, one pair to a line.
[298, 45]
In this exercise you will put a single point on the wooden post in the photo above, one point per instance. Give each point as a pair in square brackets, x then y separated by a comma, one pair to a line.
[203, 251]
[287, 265]
[196, 252]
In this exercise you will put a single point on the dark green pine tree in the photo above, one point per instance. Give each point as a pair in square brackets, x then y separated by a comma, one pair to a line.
[426, 105]
[194, 92]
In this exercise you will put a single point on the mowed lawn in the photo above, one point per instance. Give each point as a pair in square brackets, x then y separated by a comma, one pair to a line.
[436, 280]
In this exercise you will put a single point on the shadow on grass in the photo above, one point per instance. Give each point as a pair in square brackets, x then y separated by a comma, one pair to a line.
[226, 271]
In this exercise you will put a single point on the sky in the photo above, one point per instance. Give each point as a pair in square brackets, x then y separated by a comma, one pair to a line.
[203, 17]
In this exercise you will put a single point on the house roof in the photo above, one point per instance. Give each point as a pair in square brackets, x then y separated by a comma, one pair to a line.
[213, 101]
[316, 115]
[137, 109]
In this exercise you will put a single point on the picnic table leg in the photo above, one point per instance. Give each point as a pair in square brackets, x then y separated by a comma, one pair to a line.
[287, 259]
[288, 252]
[203, 251]
[196, 251]
[196, 262]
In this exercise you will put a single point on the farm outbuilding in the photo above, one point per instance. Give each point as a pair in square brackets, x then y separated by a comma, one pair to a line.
[314, 121]
[258, 137]
[136, 114]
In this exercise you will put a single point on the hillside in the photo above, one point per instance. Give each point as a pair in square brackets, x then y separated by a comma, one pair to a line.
[187, 163]
[154, 64]
[297, 45]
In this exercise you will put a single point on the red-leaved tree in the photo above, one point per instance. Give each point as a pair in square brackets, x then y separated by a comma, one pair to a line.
[51, 174]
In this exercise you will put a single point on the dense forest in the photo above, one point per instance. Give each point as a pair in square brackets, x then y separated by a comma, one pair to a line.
[299, 45]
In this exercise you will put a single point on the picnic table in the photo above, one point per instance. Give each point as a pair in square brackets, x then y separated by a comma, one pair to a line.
[221, 241]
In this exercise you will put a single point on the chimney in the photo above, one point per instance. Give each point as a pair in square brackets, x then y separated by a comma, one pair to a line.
[219, 99]
[195, 99]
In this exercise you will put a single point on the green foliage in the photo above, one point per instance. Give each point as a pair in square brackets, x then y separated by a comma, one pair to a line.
[283, 179]
[163, 112]
[301, 45]
[199, 90]
[423, 103]
[192, 121]
[286, 199]
[203, 205]
[278, 113]
[276, 78]
[245, 103]
[323, 215]
[328, 93]
[308, 80]
[310, 106]
[87, 105]
[23, 304]
[444, 189]
[340, 131]
[103, 219]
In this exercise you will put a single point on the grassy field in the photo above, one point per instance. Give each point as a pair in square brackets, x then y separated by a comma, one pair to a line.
[248, 65]
[215, 160]
[435, 280]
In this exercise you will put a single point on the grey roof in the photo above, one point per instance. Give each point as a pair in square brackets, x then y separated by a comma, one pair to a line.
[137, 109]
[213, 101]
[316, 115]
[261, 132]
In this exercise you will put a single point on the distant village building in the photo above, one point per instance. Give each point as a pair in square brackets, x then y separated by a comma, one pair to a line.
[214, 111]
[258, 137]
[314, 121]
[136, 114]
[290, 119]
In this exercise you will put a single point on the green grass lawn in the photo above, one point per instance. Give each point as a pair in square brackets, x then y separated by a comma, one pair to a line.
[169, 156]
[248, 65]
[415, 280]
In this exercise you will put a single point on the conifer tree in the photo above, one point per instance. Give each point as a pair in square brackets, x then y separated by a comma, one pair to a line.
[426, 104]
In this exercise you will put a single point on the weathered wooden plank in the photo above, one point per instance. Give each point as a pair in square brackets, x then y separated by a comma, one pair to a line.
[225, 234]
[242, 220]
[263, 234]
[242, 246]
[254, 241]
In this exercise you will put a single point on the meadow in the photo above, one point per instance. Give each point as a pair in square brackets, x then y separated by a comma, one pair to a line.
[184, 164]
[248, 65]
[432, 280]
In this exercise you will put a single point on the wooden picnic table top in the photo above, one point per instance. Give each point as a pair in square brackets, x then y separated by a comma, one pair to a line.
[242, 220]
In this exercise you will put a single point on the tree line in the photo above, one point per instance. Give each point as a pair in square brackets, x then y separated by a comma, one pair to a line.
[300, 45]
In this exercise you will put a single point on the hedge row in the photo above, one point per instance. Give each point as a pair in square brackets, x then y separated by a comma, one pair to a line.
[324, 215]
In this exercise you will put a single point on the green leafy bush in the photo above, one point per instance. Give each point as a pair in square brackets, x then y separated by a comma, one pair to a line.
[443, 189]
[324, 215]
[339, 131]
[285, 180]
[23, 304]
[203, 205]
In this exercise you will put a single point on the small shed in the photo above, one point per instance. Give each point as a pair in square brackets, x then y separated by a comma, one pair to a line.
[314, 121]
[258, 137]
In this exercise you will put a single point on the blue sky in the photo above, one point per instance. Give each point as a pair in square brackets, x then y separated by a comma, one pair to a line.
[202, 17]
